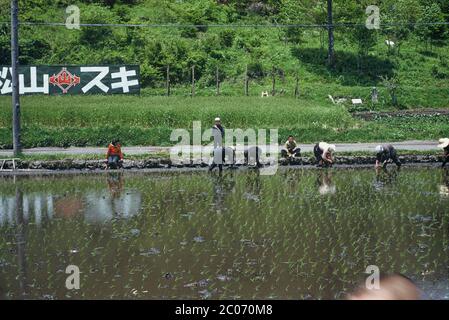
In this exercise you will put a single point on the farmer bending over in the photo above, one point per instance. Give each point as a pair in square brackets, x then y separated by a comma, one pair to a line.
[323, 154]
[386, 154]
[291, 148]
[114, 156]
[444, 144]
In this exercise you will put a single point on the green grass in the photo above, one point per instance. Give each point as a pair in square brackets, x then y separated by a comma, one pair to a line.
[87, 156]
[95, 120]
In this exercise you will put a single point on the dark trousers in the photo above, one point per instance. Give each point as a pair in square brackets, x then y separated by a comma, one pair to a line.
[252, 153]
[220, 165]
[114, 162]
[445, 158]
[295, 152]
[318, 153]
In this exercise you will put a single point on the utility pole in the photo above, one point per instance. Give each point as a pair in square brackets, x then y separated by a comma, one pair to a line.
[15, 77]
[330, 28]
[246, 81]
[193, 81]
[217, 79]
[167, 81]
[297, 85]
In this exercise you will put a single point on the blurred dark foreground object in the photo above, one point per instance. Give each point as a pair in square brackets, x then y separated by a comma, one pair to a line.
[391, 287]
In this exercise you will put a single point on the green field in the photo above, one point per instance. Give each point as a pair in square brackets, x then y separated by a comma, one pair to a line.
[95, 120]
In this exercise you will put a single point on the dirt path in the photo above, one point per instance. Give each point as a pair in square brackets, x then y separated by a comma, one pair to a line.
[341, 147]
[369, 116]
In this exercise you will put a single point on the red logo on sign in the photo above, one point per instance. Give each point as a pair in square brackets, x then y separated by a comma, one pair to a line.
[64, 80]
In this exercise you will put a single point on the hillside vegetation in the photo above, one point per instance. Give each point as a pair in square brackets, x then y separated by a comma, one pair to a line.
[235, 36]
[420, 58]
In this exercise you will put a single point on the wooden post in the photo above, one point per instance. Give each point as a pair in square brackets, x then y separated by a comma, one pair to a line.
[193, 81]
[246, 81]
[167, 83]
[273, 79]
[217, 79]
[16, 134]
[297, 85]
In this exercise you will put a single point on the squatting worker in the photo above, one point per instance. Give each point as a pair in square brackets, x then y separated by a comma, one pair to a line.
[114, 156]
[219, 152]
[385, 154]
[291, 148]
[324, 153]
[444, 144]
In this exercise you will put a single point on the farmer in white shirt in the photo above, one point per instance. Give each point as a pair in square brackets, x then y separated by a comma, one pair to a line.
[324, 154]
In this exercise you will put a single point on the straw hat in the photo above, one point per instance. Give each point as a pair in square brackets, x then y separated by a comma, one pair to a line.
[444, 143]
[379, 149]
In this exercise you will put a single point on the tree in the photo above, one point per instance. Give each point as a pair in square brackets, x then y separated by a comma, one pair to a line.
[431, 32]
[401, 15]
[292, 12]
[5, 45]
[365, 40]
[392, 85]
[360, 35]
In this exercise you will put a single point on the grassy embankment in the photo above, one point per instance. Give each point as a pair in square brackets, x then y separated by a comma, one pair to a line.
[95, 120]
[164, 155]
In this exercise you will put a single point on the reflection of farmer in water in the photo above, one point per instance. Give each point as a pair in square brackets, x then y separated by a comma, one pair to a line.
[385, 177]
[253, 185]
[222, 186]
[325, 185]
[116, 201]
[444, 187]
[115, 184]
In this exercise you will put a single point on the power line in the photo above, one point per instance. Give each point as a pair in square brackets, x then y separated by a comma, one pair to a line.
[173, 25]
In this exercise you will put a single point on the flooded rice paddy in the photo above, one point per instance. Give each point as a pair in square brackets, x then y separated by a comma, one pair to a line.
[300, 234]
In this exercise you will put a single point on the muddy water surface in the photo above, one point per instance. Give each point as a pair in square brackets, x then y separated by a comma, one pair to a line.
[300, 234]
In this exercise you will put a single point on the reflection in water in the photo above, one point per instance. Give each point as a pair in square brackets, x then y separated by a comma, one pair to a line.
[21, 242]
[37, 204]
[325, 185]
[253, 185]
[279, 237]
[97, 206]
[223, 185]
[444, 187]
[385, 177]
[102, 206]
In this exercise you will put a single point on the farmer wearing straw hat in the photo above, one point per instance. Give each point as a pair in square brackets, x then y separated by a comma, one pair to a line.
[323, 153]
[386, 153]
[444, 144]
